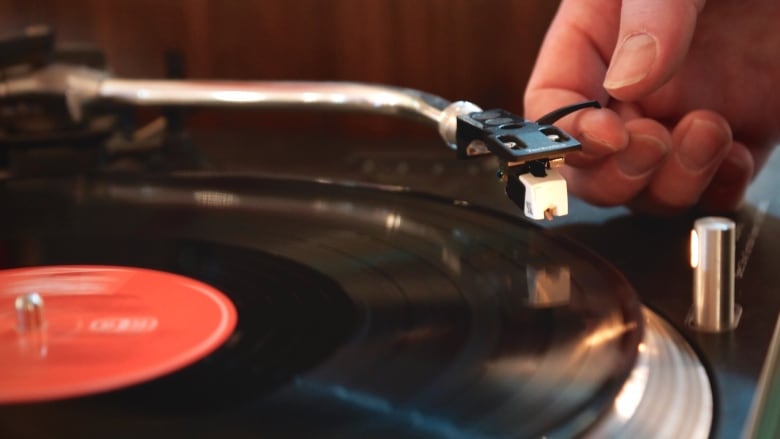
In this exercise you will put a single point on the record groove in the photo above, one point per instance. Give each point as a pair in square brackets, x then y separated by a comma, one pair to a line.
[362, 311]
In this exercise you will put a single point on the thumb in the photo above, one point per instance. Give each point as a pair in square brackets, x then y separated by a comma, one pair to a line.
[653, 40]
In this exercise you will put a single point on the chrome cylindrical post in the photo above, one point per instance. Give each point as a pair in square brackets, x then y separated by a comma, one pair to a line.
[712, 259]
[29, 312]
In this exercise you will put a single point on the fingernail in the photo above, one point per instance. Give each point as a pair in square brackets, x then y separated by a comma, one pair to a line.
[702, 144]
[644, 154]
[632, 61]
[598, 146]
[734, 169]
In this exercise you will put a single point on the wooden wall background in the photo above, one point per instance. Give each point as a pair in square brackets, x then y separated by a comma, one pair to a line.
[479, 50]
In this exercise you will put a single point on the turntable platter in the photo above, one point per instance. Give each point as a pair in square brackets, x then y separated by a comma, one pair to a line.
[362, 311]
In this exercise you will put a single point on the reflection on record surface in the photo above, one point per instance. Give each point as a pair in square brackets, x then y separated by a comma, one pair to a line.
[362, 311]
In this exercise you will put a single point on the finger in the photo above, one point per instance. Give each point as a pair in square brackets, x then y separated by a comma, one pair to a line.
[701, 141]
[570, 69]
[626, 110]
[654, 38]
[602, 134]
[622, 176]
[730, 181]
[572, 60]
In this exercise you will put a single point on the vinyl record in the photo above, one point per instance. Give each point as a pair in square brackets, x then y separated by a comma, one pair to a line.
[362, 311]
[110, 327]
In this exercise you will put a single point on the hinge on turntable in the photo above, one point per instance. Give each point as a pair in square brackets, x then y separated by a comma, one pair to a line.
[528, 151]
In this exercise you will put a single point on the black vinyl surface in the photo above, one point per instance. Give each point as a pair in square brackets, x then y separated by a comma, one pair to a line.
[363, 311]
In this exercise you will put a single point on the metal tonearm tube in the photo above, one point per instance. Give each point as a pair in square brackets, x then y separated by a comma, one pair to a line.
[82, 86]
[528, 151]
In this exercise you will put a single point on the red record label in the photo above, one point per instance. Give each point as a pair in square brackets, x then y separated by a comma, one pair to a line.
[103, 328]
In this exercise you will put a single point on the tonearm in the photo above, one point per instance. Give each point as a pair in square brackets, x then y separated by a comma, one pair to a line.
[528, 151]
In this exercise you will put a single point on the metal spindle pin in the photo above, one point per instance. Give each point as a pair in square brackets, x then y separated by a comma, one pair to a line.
[29, 312]
[712, 259]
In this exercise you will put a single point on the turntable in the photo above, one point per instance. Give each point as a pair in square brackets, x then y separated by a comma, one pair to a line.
[339, 304]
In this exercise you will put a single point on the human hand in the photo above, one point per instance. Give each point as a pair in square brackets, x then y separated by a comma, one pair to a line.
[691, 95]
